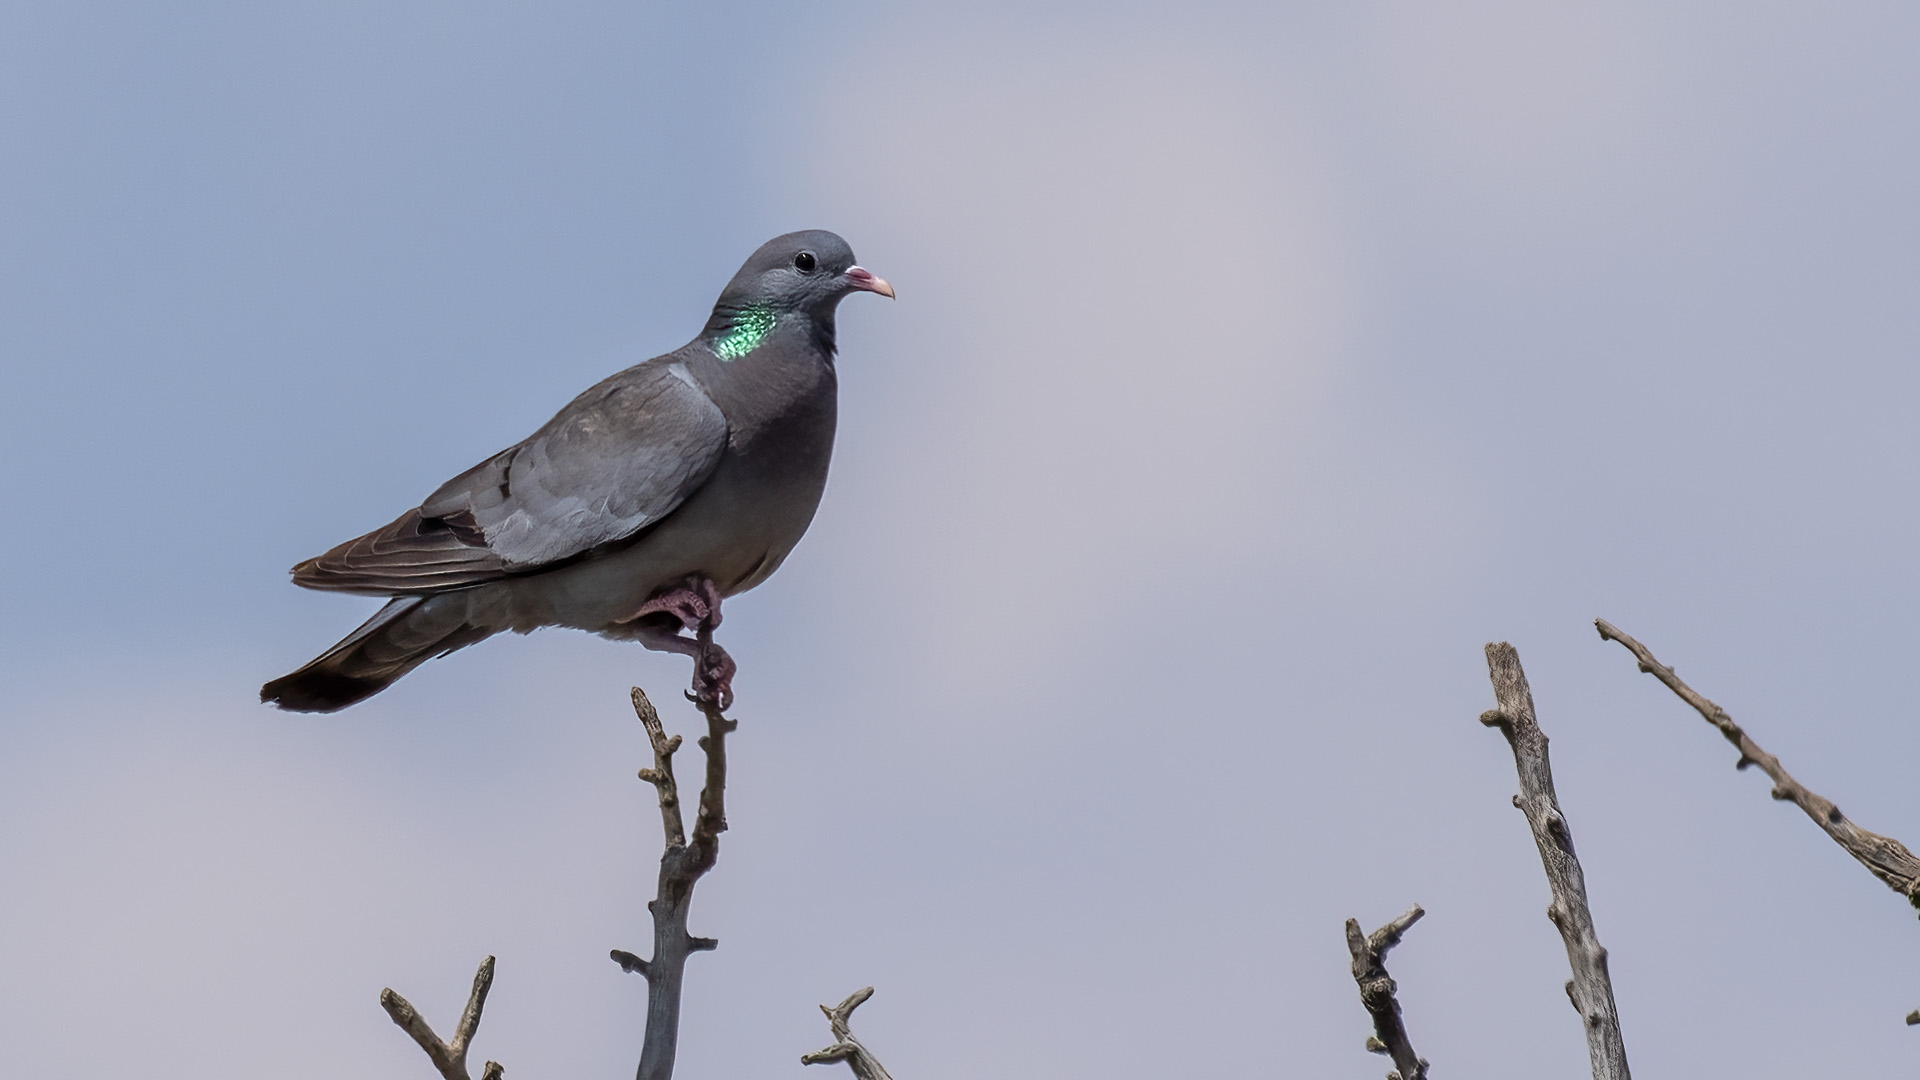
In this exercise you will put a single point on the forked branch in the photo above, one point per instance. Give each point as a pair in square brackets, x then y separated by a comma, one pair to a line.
[1888, 859]
[1590, 989]
[682, 865]
[845, 1047]
[1376, 993]
[450, 1056]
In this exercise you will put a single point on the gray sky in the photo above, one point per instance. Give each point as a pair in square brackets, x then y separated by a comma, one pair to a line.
[1252, 367]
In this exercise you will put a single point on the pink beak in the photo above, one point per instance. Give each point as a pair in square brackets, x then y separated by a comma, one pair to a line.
[862, 278]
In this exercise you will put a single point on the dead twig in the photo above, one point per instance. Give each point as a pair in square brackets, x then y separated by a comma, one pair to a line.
[1888, 859]
[682, 865]
[449, 1057]
[845, 1047]
[1590, 989]
[1376, 993]
[1883, 856]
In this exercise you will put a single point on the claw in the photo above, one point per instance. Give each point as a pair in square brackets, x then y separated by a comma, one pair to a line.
[713, 672]
[695, 604]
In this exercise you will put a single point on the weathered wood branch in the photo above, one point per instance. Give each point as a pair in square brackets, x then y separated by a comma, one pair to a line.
[1376, 993]
[1888, 859]
[1590, 989]
[845, 1047]
[450, 1056]
[682, 865]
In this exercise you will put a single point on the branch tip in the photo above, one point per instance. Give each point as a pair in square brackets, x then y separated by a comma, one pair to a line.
[450, 1057]
[1377, 991]
[1884, 857]
[847, 1048]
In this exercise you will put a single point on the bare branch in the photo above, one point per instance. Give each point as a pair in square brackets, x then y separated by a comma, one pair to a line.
[682, 865]
[712, 818]
[845, 1047]
[1376, 993]
[661, 775]
[1887, 858]
[449, 1058]
[1590, 990]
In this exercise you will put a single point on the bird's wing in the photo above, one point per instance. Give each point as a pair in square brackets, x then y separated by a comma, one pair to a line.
[622, 456]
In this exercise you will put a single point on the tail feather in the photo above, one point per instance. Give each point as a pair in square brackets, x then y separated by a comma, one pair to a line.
[406, 633]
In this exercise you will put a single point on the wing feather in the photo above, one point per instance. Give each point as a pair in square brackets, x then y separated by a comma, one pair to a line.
[617, 459]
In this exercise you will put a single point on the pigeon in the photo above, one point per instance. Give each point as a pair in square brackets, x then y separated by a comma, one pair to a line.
[632, 513]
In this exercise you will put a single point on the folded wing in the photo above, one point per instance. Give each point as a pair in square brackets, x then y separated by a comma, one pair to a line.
[622, 456]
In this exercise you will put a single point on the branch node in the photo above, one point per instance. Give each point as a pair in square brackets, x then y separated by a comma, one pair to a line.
[1557, 828]
[1493, 718]
[630, 963]
[702, 944]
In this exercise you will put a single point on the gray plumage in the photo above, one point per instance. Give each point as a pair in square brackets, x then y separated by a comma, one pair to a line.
[705, 463]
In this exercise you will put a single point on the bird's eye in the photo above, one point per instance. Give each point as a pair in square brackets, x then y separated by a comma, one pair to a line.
[804, 262]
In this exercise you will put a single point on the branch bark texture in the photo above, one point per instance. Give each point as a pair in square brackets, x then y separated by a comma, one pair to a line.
[1888, 859]
[845, 1047]
[449, 1057]
[1376, 993]
[1590, 989]
[682, 864]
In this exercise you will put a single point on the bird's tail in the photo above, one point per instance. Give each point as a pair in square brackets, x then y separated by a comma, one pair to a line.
[403, 635]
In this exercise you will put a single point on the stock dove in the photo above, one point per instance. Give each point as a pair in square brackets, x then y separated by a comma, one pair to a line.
[630, 514]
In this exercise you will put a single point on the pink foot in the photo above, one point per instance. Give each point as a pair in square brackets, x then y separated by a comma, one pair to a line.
[695, 605]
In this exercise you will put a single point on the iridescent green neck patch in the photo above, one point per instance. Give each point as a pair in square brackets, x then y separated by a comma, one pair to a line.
[750, 327]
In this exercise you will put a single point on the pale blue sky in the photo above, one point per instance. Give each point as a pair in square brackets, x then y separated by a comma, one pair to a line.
[1253, 365]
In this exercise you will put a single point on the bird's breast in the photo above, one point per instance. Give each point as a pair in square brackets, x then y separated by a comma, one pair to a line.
[737, 528]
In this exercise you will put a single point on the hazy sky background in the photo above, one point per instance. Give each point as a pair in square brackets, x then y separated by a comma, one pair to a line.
[1253, 366]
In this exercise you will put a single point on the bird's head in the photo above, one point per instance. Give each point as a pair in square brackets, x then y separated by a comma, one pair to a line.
[801, 271]
[805, 273]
